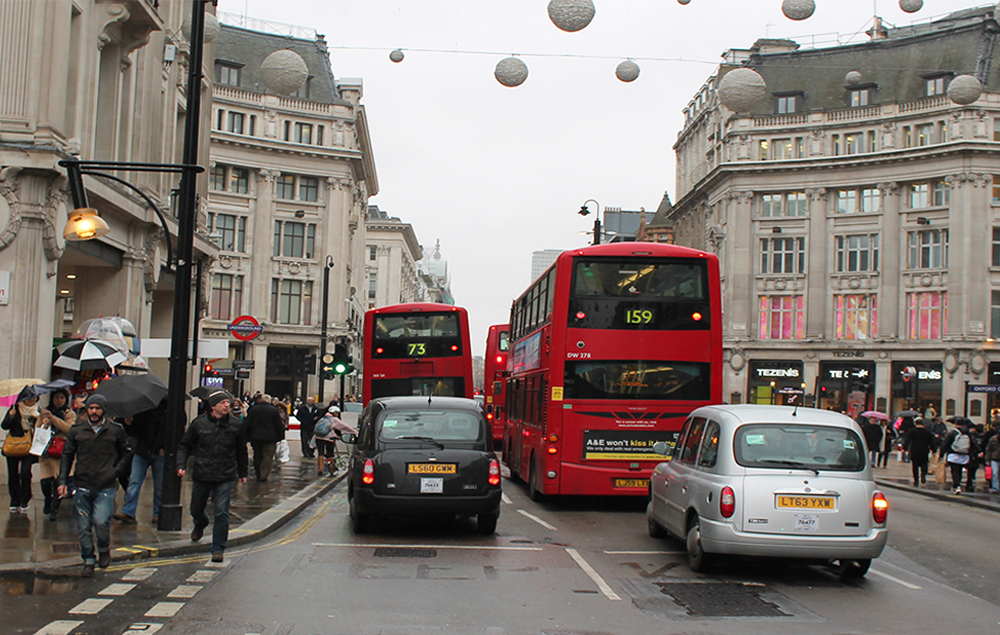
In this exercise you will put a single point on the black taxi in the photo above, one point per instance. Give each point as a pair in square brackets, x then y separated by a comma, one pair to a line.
[420, 456]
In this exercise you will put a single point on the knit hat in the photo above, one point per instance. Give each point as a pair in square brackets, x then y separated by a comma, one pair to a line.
[99, 400]
[217, 396]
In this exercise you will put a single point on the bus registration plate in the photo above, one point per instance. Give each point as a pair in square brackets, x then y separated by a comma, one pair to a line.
[431, 468]
[805, 502]
[632, 482]
[432, 486]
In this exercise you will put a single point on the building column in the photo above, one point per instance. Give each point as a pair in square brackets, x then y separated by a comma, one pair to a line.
[740, 270]
[818, 312]
[892, 250]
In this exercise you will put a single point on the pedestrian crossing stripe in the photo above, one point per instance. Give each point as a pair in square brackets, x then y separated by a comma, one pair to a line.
[59, 627]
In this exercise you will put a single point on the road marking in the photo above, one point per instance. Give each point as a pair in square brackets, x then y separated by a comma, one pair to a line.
[646, 553]
[138, 575]
[391, 546]
[92, 606]
[116, 589]
[202, 576]
[537, 520]
[217, 565]
[164, 609]
[184, 591]
[143, 627]
[59, 627]
[589, 570]
[504, 498]
[895, 579]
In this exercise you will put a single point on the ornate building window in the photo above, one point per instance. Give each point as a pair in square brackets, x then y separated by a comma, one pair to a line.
[782, 255]
[227, 296]
[291, 301]
[294, 240]
[231, 228]
[781, 317]
[856, 252]
[855, 316]
[927, 249]
[926, 315]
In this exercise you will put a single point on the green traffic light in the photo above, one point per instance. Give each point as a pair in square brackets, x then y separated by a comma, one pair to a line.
[340, 368]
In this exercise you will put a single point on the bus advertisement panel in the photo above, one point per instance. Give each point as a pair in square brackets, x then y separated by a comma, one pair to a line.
[612, 348]
[417, 349]
[495, 379]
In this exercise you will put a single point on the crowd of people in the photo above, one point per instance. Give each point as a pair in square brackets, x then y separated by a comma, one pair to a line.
[91, 455]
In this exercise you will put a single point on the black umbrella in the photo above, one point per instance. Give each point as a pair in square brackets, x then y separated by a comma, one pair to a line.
[37, 390]
[131, 394]
[906, 413]
[202, 392]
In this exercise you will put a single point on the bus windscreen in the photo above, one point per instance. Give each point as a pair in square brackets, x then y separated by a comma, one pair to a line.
[418, 335]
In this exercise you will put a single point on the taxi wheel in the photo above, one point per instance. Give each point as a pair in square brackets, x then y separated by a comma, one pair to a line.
[698, 560]
[655, 529]
[852, 569]
[487, 523]
[359, 521]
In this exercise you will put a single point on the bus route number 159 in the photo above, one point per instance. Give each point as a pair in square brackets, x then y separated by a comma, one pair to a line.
[638, 316]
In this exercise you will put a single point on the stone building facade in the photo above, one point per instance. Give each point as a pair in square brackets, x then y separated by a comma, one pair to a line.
[856, 214]
[391, 266]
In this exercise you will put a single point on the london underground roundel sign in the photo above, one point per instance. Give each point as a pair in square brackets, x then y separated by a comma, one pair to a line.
[245, 328]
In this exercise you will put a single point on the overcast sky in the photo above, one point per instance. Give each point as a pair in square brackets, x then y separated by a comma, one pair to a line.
[496, 173]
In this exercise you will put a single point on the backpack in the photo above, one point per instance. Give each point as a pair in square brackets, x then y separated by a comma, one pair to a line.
[961, 444]
[323, 427]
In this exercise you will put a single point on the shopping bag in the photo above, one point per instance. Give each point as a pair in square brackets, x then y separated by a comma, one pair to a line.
[989, 472]
[939, 471]
[41, 441]
[283, 453]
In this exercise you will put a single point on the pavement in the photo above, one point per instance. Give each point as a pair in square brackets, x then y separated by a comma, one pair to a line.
[32, 542]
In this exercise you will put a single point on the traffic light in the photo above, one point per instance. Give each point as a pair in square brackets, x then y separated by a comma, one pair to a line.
[309, 365]
[342, 362]
[328, 371]
[208, 370]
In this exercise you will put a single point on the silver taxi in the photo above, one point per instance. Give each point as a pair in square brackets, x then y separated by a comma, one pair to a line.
[780, 481]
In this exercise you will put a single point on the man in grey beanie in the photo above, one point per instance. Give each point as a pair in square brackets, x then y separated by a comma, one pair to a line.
[98, 445]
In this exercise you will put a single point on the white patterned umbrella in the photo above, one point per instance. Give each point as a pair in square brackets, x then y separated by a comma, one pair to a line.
[88, 355]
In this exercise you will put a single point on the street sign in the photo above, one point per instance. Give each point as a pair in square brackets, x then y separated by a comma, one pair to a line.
[245, 328]
[243, 364]
[242, 374]
[983, 388]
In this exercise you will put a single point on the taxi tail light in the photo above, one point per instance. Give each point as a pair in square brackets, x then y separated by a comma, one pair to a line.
[727, 502]
[880, 508]
[494, 474]
[368, 472]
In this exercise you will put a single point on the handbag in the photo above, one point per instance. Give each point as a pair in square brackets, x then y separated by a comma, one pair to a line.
[283, 453]
[17, 446]
[989, 472]
[939, 472]
[56, 447]
[41, 441]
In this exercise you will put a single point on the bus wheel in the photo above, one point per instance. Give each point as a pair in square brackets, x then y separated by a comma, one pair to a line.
[534, 492]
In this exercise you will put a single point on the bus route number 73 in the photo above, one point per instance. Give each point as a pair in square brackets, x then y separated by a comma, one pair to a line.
[416, 349]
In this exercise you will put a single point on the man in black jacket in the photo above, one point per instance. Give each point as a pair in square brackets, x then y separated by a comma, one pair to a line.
[220, 457]
[921, 442]
[263, 428]
[307, 414]
[99, 446]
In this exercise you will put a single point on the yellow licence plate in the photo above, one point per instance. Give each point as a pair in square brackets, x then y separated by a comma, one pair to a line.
[431, 468]
[805, 502]
[631, 482]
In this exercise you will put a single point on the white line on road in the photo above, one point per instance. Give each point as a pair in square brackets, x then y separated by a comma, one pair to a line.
[895, 579]
[164, 609]
[376, 546]
[138, 575]
[116, 589]
[537, 520]
[200, 577]
[89, 607]
[59, 627]
[504, 498]
[184, 592]
[589, 570]
[646, 553]
[144, 628]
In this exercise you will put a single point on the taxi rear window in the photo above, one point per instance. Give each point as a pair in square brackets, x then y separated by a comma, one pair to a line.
[812, 447]
[439, 425]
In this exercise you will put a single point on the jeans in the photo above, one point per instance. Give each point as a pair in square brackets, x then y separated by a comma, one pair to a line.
[919, 467]
[995, 479]
[305, 434]
[263, 457]
[140, 466]
[19, 479]
[220, 493]
[93, 516]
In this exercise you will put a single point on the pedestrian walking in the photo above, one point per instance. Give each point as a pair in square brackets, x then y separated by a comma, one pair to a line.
[263, 428]
[958, 449]
[307, 414]
[19, 423]
[59, 418]
[147, 431]
[873, 437]
[920, 441]
[889, 436]
[216, 442]
[95, 447]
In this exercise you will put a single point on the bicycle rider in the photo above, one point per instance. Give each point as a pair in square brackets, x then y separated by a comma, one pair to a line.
[326, 444]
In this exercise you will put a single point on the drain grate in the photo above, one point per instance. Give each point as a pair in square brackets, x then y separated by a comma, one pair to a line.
[404, 552]
[725, 599]
[65, 547]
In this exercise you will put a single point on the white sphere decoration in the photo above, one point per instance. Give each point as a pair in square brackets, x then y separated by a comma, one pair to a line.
[284, 71]
[742, 89]
[211, 28]
[571, 15]
[627, 71]
[511, 72]
[911, 6]
[396, 56]
[683, 1]
[853, 78]
[798, 9]
[964, 90]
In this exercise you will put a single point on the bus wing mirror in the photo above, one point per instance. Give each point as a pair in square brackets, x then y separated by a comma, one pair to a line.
[349, 437]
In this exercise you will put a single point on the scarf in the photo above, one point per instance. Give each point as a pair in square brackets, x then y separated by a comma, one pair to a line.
[28, 413]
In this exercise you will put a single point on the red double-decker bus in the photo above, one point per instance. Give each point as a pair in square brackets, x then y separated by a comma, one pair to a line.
[611, 349]
[494, 379]
[417, 349]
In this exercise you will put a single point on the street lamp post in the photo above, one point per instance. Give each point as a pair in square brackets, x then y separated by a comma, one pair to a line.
[584, 211]
[326, 308]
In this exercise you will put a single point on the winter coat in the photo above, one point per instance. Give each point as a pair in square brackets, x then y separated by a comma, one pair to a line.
[920, 441]
[97, 455]
[993, 448]
[263, 424]
[218, 447]
[62, 421]
[873, 435]
[147, 430]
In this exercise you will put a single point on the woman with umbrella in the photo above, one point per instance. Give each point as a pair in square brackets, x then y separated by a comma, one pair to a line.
[19, 421]
[60, 418]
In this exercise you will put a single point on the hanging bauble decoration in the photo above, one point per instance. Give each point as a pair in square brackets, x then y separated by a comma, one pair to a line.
[911, 6]
[742, 89]
[396, 56]
[284, 71]
[211, 28]
[571, 15]
[798, 9]
[511, 72]
[853, 78]
[683, 1]
[964, 90]
[627, 71]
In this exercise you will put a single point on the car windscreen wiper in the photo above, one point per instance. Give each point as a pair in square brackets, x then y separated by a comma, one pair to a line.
[797, 464]
[427, 439]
